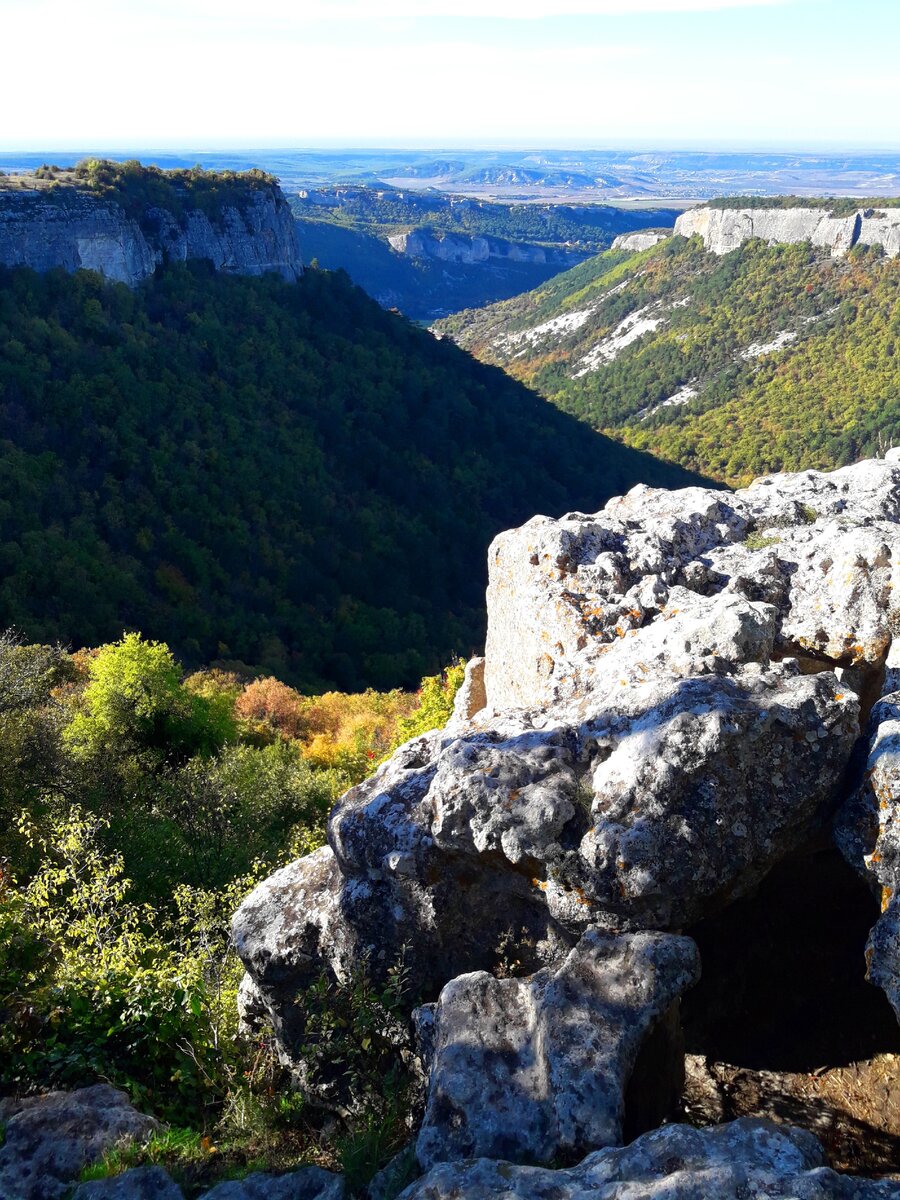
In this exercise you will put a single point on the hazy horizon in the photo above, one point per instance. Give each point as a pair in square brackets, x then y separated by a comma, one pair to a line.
[648, 74]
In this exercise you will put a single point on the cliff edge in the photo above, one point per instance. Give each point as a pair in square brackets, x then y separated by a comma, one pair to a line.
[125, 220]
[724, 229]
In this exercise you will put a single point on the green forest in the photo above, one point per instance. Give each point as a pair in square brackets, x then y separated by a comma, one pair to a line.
[790, 353]
[265, 475]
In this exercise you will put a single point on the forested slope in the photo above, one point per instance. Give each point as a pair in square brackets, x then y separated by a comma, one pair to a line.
[280, 475]
[765, 359]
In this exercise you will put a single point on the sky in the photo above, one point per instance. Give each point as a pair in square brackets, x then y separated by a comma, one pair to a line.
[209, 74]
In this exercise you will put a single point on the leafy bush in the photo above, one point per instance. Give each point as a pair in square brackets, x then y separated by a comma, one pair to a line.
[116, 991]
[135, 701]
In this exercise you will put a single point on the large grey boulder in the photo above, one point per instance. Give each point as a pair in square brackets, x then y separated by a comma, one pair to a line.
[50, 1138]
[660, 803]
[738, 1161]
[670, 695]
[536, 1069]
[309, 1183]
[140, 1183]
[816, 547]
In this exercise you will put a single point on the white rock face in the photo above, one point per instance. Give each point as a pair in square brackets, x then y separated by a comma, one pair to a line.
[75, 229]
[461, 248]
[573, 602]
[641, 240]
[724, 229]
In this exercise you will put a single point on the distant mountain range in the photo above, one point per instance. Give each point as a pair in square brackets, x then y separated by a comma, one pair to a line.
[768, 357]
[546, 173]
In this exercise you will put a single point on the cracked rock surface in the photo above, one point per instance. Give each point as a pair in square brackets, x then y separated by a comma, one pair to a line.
[535, 1069]
[743, 1159]
[49, 1138]
[669, 706]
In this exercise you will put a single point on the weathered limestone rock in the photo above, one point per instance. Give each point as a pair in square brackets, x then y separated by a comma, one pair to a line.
[536, 1069]
[76, 229]
[50, 1138]
[642, 239]
[743, 1159]
[868, 832]
[724, 229]
[817, 547]
[463, 248]
[672, 689]
[310, 1183]
[140, 1183]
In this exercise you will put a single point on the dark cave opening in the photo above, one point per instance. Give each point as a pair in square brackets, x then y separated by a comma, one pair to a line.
[783, 985]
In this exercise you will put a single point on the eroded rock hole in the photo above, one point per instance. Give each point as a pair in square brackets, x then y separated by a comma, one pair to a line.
[783, 1022]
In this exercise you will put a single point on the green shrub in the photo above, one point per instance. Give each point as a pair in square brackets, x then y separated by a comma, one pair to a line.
[98, 986]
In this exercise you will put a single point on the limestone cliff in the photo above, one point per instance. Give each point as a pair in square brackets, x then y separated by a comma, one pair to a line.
[641, 239]
[724, 229]
[461, 248]
[74, 228]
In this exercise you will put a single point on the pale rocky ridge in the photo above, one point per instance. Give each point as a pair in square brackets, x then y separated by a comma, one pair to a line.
[74, 229]
[669, 704]
[463, 248]
[641, 239]
[725, 229]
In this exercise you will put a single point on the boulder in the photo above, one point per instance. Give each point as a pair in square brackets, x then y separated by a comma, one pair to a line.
[536, 1069]
[743, 1159]
[310, 1183]
[50, 1138]
[670, 697]
[140, 1183]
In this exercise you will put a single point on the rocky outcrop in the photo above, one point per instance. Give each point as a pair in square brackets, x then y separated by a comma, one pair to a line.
[310, 1183]
[536, 1069]
[643, 239]
[140, 1183]
[743, 1159]
[50, 1138]
[724, 229]
[668, 707]
[461, 248]
[153, 1183]
[72, 228]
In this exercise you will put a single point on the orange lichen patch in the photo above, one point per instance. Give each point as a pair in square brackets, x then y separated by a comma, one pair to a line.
[540, 883]
[838, 695]
[887, 894]
[514, 795]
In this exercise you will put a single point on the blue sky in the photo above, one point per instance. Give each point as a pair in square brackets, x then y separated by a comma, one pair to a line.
[214, 73]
